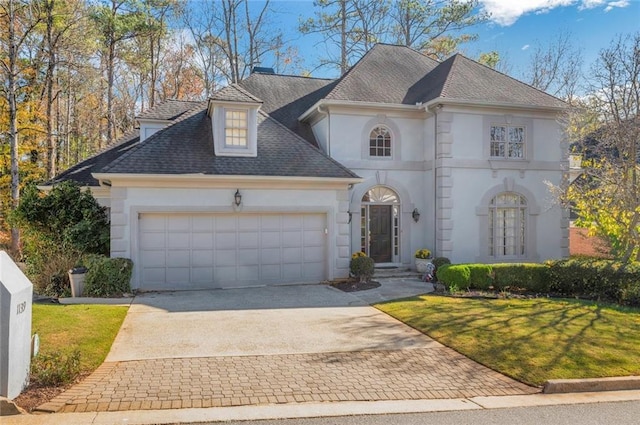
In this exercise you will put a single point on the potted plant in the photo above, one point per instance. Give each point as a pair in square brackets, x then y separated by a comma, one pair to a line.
[423, 257]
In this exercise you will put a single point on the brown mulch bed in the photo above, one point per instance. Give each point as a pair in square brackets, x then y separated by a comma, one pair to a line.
[354, 285]
[35, 395]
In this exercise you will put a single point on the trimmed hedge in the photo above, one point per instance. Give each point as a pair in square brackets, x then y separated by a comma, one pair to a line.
[592, 278]
[107, 277]
[531, 277]
[457, 275]
[598, 279]
[362, 267]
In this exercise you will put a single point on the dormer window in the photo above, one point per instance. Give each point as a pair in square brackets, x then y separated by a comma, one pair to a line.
[235, 128]
[234, 120]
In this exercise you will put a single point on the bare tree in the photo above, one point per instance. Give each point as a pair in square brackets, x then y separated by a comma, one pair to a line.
[555, 68]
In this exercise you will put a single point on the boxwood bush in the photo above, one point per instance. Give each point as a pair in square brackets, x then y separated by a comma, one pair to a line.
[531, 277]
[456, 275]
[598, 279]
[107, 277]
[362, 267]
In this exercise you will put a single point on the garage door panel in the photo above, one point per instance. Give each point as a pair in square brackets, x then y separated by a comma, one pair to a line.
[202, 275]
[291, 271]
[225, 250]
[202, 240]
[179, 223]
[313, 238]
[153, 241]
[225, 258]
[291, 255]
[291, 239]
[178, 275]
[270, 239]
[226, 240]
[312, 254]
[179, 240]
[178, 258]
[248, 240]
[153, 258]
[202, 257]
[202, 223]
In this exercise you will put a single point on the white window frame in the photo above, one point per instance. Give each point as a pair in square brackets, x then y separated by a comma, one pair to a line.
[505, 143]
[382, 134]
[219, 126]
[508, 226]
[235, 125]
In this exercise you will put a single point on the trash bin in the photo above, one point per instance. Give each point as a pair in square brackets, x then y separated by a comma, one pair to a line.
[76, 277]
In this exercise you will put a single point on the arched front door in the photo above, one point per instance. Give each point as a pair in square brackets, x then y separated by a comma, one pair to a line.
[380, 224]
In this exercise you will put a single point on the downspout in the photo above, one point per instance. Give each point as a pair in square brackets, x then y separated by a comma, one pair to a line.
[435, 180]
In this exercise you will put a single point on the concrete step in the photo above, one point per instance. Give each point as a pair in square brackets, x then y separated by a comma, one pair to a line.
[382, 273]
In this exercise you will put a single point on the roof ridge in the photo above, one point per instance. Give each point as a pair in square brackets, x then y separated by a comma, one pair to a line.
[505, 75]
[187, 114]
[238, 88]
[292, 76]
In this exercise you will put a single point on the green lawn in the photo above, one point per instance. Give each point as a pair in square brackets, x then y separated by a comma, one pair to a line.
[89, 328]
[530, 340]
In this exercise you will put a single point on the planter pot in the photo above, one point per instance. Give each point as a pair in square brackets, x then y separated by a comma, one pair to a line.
[76, 277]
[421, 264]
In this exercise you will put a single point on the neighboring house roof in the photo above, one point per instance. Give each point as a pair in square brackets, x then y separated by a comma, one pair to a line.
[168, 110]
[81, 172]
[186, 147]
[234, 93]
[385, 74]
[460, 78]
[285, 97]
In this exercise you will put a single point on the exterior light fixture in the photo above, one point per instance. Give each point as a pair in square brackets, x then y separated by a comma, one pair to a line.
[350, 216]
[416, 215]
[237, 198]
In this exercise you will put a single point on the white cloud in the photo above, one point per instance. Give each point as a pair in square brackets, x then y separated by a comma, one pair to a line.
[507, 12]
[525, 47]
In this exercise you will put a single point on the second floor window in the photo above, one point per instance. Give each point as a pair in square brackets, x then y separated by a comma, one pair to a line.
[380, 142]
[507, 141]
[235, 128]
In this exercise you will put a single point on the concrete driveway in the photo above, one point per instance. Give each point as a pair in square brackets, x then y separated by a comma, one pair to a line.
[271, 345]
[258, 321]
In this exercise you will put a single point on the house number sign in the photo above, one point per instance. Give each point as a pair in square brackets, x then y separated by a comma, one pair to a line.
[21, 307]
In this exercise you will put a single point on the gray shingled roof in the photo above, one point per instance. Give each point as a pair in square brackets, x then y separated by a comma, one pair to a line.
[385, 74]
[234, 93]
[286, 97]
[81, 172]
[460, 78]
[168, 110]
[186, 147]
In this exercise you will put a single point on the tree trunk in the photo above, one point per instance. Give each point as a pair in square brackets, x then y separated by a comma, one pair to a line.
[13, 120]
[51, 141]
[344, 67]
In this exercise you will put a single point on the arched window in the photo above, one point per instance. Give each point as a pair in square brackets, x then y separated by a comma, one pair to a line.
[507, 225]
[380, 142]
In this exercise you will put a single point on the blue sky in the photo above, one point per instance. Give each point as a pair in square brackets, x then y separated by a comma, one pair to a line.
[516, 26]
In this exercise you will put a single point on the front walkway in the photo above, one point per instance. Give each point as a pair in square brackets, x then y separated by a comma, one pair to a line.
[361, 355]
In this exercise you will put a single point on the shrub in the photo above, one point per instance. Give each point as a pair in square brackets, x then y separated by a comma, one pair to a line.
[440, 261]
[55, 369]
[593, 278]
[57, 229]
[107, 277]
[362, 268]
[532, 277]
[481, 276]
[423, 254]
[455, 275]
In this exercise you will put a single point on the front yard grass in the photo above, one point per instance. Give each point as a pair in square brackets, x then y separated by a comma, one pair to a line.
[89, 328]
[531, 340]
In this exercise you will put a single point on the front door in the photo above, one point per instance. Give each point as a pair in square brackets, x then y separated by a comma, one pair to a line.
[380, 233]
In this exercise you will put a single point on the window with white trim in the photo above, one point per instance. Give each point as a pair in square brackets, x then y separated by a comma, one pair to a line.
[507, 225]
[380, 142]
[507, 141]
[235, 128]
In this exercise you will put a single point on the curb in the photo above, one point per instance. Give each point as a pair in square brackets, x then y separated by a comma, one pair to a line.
[559, 386]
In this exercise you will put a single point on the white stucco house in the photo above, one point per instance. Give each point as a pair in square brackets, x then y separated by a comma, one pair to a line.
[281, 178]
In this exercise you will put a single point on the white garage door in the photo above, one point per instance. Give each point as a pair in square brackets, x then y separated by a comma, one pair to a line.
[193, 251]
